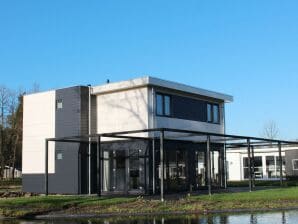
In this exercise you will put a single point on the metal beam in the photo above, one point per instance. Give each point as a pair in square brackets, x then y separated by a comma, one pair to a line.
[162, 166]
[208, 165]
[153, 166]
[253, 166]
[178, 131]
[98, 168]
[46, 167]
[225, 168]
[249, 165]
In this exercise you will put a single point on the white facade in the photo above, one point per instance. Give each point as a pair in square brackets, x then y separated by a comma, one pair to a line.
[267, 159]
[38, 124]
[130, 105]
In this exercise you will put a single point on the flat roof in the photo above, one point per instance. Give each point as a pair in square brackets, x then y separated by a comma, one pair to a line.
[152, 81]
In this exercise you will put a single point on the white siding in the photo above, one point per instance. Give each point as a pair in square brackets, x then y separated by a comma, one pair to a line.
[234, 166]
[38, 124]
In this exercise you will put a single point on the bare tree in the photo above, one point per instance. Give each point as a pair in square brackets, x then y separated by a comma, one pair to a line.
[15, 122]
[5, 101]
[270, 130]
[35, 88]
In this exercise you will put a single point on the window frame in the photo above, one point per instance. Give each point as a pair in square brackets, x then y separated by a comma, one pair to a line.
[163, 109]
[212, 105]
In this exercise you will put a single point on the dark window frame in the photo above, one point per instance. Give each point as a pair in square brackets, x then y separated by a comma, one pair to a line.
[163, 109]
[212, 105]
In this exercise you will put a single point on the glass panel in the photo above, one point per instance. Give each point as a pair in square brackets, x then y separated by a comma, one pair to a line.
[245, 172]
[258, 165]
[167, 108]
[175, 170]
[59, 104]
[283, 166]
[119, 170]
[215, 113]
[295, 164]
[106, 172]
[200, 169]
[209, 112]
[245, 162]
[270, 167]
[134, 169]
[159, 104]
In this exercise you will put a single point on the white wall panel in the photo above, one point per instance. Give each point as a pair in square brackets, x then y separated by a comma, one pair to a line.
[38, 124]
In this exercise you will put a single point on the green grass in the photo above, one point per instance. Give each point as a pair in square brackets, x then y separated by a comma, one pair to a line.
[264, 183]
[264, 199]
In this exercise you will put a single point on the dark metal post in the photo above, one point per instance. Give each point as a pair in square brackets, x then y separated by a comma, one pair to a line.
[249, 164]
[98, 168]
[253, 166]
[213, 168]
[161, 166]
[153, 165]
[46, 167]
[280, 164]
[208, 165]
[221, 168]
[225, 167]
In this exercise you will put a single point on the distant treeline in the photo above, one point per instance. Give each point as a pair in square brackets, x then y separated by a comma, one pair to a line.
[11, 129]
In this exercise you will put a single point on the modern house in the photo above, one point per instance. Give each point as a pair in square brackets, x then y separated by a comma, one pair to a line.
[127, 165]
[141, 136]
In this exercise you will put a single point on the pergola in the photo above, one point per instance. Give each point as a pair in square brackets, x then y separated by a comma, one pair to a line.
[229, 142]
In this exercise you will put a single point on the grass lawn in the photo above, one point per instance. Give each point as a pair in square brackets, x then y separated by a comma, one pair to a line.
[264, 183]
[264, 199]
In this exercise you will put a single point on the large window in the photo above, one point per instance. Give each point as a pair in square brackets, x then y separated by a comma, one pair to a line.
[213, 113]
[270, 166]
[163, 105]
[258, 165]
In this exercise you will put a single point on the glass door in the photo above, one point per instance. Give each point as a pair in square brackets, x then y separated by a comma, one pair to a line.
[200, 169]
[118, 170]
[134, 169]
[175, 166]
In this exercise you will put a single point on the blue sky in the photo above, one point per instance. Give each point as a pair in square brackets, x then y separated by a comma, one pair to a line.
[248, 49]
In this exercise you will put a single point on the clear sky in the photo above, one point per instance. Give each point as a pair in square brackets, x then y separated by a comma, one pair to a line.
[248, 49]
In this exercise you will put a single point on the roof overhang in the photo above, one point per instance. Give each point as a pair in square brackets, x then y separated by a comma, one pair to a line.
[151, 81]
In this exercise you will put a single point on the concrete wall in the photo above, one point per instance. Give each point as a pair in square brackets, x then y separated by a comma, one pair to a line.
[122, 111]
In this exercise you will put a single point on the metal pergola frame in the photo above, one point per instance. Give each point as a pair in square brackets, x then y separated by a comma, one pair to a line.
[230, 142]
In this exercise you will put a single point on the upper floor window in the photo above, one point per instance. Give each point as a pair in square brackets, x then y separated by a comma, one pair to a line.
[59, 104]
[213, 113]
[163, 105]
[295, 164]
